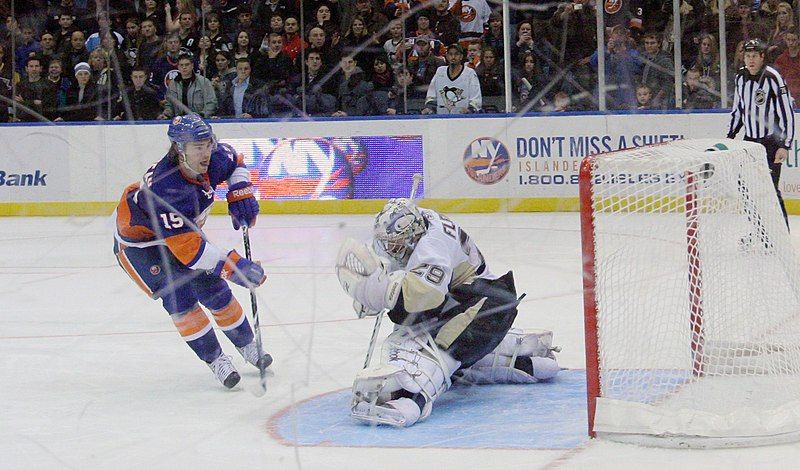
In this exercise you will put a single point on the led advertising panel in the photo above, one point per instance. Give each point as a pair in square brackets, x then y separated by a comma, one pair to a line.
[362, 167]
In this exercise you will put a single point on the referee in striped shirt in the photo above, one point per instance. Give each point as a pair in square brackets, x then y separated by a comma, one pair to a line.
[763, 105]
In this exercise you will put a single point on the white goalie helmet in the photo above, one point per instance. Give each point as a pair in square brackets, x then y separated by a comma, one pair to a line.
[398, 228]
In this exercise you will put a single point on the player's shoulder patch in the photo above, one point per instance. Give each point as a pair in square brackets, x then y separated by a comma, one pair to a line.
[227, 151]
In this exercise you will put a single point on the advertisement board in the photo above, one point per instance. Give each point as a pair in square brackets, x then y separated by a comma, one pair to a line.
[481, 162]
[546, 159]
[320, 168]
[34, 167]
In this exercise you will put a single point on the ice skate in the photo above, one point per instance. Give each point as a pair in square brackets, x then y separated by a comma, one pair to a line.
[250, 354]
[224, 370]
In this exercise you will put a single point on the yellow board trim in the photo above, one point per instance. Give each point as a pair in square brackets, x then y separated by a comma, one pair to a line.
[362, 206]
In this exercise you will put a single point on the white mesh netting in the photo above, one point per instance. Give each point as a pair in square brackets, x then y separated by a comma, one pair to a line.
[696, 295]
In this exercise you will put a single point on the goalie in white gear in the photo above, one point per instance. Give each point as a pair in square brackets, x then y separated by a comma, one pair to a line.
[453, 316]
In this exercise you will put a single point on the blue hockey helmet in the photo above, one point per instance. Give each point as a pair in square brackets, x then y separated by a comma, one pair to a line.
[189, 128]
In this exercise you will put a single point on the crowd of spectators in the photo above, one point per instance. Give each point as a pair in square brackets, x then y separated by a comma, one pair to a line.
[82, 60]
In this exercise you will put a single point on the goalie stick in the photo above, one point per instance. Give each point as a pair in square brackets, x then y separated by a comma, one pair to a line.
[374, 339]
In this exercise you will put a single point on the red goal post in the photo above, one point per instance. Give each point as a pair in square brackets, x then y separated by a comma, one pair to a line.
[691, 300]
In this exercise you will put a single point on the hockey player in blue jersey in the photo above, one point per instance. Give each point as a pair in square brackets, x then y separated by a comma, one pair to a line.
[160, 244]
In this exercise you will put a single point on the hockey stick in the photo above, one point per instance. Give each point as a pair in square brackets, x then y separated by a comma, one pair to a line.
[374, 339]
[262, 367]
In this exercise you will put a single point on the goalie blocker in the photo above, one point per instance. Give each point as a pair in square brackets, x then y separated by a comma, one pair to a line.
[453, 316]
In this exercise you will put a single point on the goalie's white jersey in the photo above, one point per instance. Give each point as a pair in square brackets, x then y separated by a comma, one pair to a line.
[445, 257]
[454, 95]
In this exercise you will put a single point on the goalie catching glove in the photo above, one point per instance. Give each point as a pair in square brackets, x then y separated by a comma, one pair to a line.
[363, 276]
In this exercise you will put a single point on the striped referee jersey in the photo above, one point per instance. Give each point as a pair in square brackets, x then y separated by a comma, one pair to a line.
[763, 105]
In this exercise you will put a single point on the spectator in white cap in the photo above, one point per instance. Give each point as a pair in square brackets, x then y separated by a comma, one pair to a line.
[83, 103]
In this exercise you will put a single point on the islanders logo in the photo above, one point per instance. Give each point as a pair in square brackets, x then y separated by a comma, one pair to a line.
[170, 76]
[486, 160]
[468, 13]
[612, 7]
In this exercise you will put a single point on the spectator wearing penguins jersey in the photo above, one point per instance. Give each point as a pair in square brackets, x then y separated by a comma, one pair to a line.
[455, 88]
[762, 104]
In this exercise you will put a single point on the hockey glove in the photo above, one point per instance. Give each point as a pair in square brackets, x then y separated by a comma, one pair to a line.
[365, 279]
[240, 271]
[242, 206]
[362, 311]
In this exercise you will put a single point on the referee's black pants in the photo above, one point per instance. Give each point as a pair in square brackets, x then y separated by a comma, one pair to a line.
[772, 145]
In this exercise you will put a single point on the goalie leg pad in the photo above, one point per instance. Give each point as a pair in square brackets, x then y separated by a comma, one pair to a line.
[376, 384]
[484, 373]
[413, 366]
[525, 343]
[522, 357]
[372, 397]
[427, 368]
[488, 375]
[544, 368]
[519, 343]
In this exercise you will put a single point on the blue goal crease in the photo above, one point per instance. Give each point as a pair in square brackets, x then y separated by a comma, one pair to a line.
[547, 415]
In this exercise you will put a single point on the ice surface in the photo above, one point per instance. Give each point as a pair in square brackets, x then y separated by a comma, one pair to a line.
[94, 375]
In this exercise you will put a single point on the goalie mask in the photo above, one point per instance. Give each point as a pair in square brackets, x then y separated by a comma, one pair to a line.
[398, 228]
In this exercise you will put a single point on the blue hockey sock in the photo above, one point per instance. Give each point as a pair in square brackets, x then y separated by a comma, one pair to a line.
[233, 322]
[206, 347]
[195, 328]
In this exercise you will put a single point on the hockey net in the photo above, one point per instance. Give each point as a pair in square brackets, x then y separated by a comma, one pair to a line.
[692, 298]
